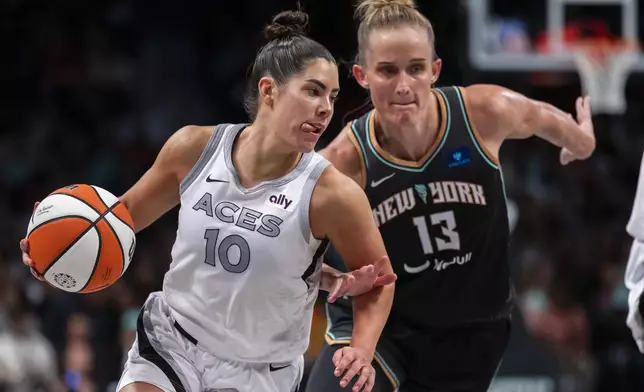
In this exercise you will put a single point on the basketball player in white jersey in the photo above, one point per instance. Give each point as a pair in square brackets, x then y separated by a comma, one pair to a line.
[258, 209]
[634, 276]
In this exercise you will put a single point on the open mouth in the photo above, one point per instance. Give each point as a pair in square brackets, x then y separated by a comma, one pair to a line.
[313, 128]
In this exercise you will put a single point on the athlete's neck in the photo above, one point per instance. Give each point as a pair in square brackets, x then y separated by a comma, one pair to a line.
[259, 156]
[413, 140]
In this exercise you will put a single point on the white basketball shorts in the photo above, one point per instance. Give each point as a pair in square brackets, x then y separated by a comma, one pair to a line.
[167, 357]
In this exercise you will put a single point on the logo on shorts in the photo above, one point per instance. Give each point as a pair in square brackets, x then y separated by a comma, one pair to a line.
[276, 368]
[65, 280]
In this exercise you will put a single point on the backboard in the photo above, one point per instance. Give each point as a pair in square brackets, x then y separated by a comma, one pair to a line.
[485, 56]
[589, 37]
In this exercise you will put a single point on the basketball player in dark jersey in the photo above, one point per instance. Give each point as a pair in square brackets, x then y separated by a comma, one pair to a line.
[427, 159]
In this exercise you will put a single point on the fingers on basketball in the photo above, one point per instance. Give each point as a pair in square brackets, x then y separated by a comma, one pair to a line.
[24, 245]
[54, 236]
[36, 274]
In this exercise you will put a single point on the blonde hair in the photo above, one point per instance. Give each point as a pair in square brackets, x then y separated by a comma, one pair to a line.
[379, 14]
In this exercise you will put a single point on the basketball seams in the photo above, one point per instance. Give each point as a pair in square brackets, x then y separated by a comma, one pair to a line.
[57, 219]
[99, 196]
[78, 238]
[82, 234]
[85, 214]
[98, 257]
[86, 203]
[124, 222]
[109, 209]
[118, 239]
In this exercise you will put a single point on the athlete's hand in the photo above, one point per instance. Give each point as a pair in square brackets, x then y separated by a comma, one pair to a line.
[360, 281]
[355, 363]
[585, 121]
[26, 259]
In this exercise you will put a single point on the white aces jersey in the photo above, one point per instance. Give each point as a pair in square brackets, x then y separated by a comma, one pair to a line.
[245, 267]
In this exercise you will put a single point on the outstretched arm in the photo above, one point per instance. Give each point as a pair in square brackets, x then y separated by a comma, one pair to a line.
[158, 190]
[500, 113]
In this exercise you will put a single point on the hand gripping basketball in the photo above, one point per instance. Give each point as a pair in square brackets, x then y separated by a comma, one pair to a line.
[80, 239]
[26, 259]
[352, 362]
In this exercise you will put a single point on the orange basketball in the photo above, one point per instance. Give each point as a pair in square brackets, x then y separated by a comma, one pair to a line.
[81, 238]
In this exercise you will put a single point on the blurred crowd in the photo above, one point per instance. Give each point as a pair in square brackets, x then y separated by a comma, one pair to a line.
[91, 90]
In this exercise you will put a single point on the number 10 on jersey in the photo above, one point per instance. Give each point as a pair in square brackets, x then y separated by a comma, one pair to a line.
[219, 251]
[447, 223]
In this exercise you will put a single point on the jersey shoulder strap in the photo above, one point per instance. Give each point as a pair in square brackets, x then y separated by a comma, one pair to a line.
[463, 130]
[358, 134]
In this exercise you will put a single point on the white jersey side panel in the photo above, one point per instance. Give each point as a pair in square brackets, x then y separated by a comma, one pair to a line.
[245, 268]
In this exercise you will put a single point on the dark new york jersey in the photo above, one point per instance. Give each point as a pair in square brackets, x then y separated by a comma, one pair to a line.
[443, 219]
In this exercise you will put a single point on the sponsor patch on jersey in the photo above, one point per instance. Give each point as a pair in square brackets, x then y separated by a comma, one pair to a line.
[459, 157]
[281, 201]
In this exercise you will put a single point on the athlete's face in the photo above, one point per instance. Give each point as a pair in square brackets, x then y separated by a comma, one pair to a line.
[303, 106]
[399, 71]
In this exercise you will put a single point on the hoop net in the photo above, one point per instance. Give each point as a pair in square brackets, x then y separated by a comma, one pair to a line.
[604, 66]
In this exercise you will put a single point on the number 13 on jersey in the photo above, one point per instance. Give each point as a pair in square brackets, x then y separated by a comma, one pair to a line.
[448, 225]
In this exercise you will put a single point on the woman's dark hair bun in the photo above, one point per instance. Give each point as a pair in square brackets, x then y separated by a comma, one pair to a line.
[287, 24]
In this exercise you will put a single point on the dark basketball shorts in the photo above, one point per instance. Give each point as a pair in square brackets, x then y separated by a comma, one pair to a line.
[458, 358]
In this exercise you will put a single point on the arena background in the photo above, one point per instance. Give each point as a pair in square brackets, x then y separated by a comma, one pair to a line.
[89, 91]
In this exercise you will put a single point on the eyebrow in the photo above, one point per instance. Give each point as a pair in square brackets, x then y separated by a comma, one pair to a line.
[416, 60]
[322, 85]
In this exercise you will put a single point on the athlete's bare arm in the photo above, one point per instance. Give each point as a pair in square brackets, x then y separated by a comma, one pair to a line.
[157, 191]
[499, 113]
[340, 212]
[344, 155]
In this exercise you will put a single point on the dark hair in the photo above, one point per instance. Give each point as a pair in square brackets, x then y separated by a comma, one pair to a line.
[286, 53]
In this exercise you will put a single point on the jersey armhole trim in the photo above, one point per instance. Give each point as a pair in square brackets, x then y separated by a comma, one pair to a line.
[360, 149]
[204, 158]
[307, 193]
[474, 134]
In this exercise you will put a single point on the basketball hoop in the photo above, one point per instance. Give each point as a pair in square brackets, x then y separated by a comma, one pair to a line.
[603, 67]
